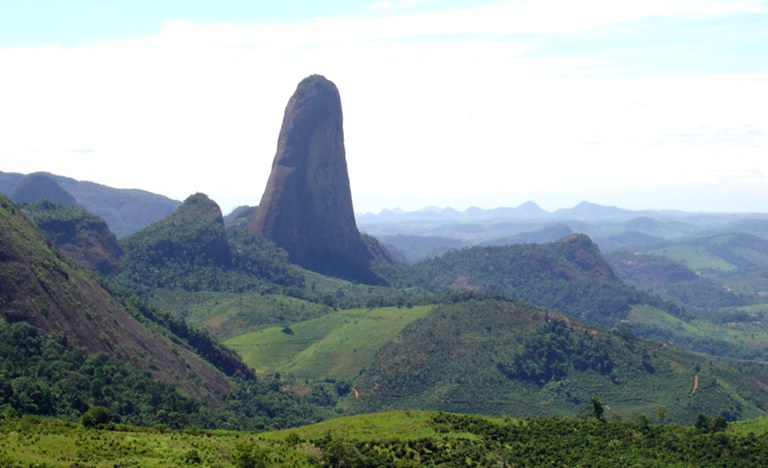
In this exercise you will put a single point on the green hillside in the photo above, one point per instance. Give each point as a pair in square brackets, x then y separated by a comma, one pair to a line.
[498, 357]
[570, 276]
[722, 253]
[337, 345]
[71, 342]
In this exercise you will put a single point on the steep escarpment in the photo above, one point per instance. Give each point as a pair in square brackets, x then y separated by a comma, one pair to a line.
[38, 286]
[306, 207]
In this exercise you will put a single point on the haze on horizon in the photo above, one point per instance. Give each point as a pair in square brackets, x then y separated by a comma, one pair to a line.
[642, 105]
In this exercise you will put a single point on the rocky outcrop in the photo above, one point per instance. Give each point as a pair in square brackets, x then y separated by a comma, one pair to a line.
[41, 186]
[307, 204]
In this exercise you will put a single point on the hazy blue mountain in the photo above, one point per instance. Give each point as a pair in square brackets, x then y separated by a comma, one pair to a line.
[125, 210]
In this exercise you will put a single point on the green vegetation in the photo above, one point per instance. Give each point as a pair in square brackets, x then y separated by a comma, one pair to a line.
[61, 223]
[569, 276]
[337, 345]
[499, 357]
[45, 375]
[446, 337]
[736, 340]
[696, 258]
[553, 351]
[392, 439]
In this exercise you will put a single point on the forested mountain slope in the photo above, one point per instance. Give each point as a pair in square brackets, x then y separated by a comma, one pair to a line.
[570, 276]
[69, 343]
[493, 356]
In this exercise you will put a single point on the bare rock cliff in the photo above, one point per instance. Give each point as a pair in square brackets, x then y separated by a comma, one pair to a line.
[307, 204]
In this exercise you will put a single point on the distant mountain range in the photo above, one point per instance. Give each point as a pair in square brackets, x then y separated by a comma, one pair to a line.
[125, 210]
[585, 211]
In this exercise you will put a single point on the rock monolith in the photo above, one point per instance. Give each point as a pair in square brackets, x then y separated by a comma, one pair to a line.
[306, 207]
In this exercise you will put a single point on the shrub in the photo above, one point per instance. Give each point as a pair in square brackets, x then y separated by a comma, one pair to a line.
[97, 416]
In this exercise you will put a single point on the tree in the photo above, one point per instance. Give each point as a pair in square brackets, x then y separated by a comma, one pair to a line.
[96, 416]
[597, 409]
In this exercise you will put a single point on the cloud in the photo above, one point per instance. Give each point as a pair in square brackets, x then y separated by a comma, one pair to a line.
[464, 93]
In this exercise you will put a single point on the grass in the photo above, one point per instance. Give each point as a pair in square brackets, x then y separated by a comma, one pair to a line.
[36, 441]
[33, 441]
[227, 314]
[652, 317]
[698, 259]
[749, 337]
[757, 426]
[403, 425]
[406, 435]
[337, 345]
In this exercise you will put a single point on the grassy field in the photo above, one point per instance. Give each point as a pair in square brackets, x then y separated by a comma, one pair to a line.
[46, 442]
[747, 338]
[336, 345]
[34, 441]
[406, 425]
[392, 438]
[697, 258]
[227, 314]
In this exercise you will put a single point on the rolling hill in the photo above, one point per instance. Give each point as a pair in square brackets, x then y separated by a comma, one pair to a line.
[570, 276]
[499, 357]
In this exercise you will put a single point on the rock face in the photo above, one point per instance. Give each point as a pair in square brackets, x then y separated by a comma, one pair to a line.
[307, 204]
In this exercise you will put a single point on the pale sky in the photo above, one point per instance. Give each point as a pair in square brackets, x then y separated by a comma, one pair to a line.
[639, 104]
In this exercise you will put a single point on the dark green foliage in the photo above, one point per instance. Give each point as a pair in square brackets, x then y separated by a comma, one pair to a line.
[673, 280]
[501, 357]
[343, 453]
[215, 353]
[251, 456]
[186, 249]
[191, 250]
[97, 416]
[83, 236]
[549, 442]
[45, 375]
[554, 351]
[259, 404]
[254, 255]
[598, 411]
[569, 276]
[706, 423]
[61, 223]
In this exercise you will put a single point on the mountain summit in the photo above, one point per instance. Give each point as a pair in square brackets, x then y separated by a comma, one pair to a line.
[41, 186]
[307, 204]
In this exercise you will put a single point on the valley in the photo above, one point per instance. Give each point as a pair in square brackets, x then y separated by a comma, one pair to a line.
[141, 330]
